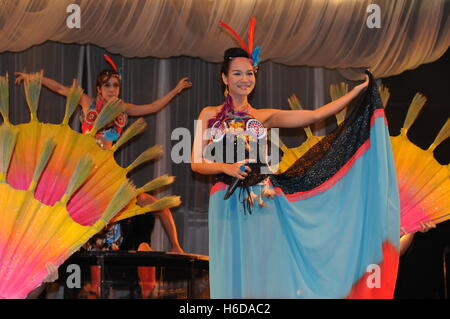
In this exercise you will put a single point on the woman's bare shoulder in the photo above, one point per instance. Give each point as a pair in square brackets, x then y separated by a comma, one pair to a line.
[261, 114]
[210, 111]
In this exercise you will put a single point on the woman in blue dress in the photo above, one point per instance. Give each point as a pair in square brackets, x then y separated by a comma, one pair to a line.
[325, 228]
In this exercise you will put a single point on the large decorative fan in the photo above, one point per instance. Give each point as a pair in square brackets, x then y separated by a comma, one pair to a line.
[424, 184]
[58, 188]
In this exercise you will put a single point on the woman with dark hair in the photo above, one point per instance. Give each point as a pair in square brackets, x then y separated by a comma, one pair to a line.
[108, 86]
[297, 234]
[239, 77]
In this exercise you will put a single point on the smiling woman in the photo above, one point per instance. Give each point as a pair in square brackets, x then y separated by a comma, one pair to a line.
[315, 230]
[240, 81]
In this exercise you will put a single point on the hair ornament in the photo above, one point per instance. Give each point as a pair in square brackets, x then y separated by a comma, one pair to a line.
[114, 66]
[253, 53]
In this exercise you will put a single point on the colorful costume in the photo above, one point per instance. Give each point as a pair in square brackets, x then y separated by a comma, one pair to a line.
[58, 188]
[112, 234]
[112, 131]
[331, 229]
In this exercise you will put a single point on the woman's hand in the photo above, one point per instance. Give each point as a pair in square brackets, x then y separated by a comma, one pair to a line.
[183, 84]
[52, 271]
[20, 76]
[234, 170]
[426, 226]
[361, 87]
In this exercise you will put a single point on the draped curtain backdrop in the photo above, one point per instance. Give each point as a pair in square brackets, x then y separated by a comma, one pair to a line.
[321, 33]
[306, 46]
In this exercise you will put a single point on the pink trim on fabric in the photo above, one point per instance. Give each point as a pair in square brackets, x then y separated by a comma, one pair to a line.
[376, 114]
[219, 186]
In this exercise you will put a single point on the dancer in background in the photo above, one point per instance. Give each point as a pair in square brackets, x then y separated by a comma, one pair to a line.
[108, 87]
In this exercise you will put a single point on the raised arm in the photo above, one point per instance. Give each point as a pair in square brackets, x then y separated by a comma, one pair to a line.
[300, 118]
[47, 82]
[56, 87]
[203, 166]
[159, 104]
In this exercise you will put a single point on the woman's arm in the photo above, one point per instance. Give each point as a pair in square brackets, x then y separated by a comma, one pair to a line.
[47, 82]
[159, 104]
[201, 165]
[56, 87]
[406, 240]
[300, 118]
[52, 276]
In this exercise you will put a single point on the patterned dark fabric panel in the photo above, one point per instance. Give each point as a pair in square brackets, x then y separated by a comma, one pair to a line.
[328, 156]
[253, 178]
[224, 146]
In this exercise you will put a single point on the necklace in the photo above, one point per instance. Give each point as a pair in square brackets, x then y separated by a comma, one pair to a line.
[243, 109]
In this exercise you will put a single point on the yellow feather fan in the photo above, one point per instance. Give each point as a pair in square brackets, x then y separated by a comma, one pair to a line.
[58, 188]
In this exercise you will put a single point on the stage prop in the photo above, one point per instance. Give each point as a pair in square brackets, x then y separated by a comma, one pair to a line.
[176, 276]
[59, 187]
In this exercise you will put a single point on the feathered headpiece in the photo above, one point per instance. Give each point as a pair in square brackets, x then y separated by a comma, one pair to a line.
[254, 53]
[113, 65]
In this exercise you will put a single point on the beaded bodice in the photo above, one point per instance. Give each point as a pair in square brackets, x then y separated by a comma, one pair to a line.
[236, 138]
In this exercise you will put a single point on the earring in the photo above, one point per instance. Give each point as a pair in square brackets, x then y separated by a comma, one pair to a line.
[226, 91]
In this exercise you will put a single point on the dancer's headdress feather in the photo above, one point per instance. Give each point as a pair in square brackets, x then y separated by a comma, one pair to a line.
[253, 53]
[114, 66]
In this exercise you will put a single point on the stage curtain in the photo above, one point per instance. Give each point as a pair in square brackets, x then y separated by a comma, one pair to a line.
[319, 33]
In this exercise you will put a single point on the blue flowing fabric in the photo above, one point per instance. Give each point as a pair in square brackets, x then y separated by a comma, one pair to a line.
[319, 246]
